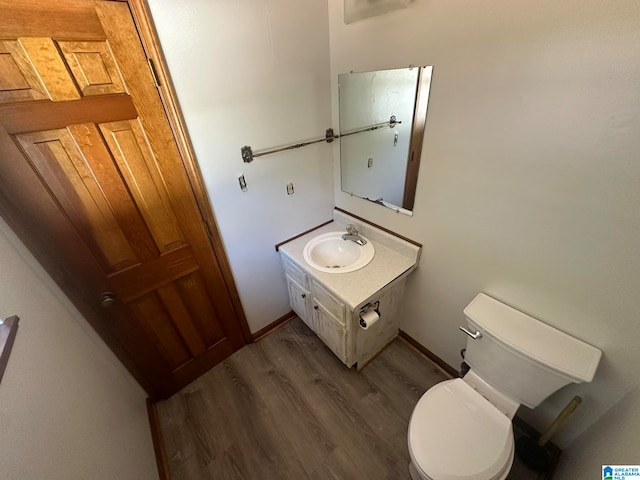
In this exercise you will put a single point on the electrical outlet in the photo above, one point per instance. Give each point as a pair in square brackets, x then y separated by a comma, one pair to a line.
[243, 183]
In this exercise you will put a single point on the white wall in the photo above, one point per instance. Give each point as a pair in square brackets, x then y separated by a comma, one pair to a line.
[68, 409]
[612, 440]
[255, 72]
[529, 182]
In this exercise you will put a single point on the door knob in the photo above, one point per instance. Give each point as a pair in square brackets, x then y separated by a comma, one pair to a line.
[107, 299]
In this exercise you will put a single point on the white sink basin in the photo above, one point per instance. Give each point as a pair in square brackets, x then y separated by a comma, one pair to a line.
[330, 253]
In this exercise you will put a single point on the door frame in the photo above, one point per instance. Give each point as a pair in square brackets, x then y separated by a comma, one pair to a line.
[152, 48]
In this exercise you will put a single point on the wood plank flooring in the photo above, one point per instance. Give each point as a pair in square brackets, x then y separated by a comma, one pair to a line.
[287, 408]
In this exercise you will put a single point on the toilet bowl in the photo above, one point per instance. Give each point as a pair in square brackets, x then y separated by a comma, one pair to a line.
[461, 429]
[456, 434]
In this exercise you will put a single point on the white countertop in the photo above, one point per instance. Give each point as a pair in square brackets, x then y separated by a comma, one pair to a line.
[393, 257]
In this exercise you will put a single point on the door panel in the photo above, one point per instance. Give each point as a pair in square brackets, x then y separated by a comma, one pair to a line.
[106, 176]
[92, 181]
[93, 67]
[177, 310]
[44, 57]
[34, 71]
[129, 147]
[57, 159]
[158, 327]
[19, 81]
[192, 290]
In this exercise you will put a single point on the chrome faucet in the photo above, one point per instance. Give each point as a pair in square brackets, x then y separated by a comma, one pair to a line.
[353, 235]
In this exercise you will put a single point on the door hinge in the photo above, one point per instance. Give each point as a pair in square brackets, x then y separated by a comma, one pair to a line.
[154, 74]
[208, 229]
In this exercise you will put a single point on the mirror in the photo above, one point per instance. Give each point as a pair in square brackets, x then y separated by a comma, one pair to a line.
[382, 119]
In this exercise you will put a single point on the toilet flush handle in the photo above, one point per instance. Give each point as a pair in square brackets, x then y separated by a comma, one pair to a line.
[475, 336]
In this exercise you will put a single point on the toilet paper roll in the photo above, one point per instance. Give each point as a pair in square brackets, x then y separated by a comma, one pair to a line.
[368, 319]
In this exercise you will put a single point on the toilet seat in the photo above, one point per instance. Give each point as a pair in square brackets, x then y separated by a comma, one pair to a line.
[456, 434]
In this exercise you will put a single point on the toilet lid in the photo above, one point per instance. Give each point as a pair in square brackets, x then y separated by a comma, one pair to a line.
[456, 434]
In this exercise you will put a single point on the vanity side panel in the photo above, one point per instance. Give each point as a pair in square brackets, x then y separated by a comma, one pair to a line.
[367, 343]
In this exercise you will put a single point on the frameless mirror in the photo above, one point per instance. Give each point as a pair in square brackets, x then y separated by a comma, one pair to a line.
[382, 119]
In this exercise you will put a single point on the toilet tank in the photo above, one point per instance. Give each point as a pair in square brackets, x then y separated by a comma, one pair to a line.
[521, 356]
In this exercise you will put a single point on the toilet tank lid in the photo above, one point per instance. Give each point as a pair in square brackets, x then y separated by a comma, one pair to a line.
[535, 339]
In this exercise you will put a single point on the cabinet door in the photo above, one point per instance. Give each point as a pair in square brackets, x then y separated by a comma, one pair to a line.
[299, 299]
[331, 304]
[330, 330]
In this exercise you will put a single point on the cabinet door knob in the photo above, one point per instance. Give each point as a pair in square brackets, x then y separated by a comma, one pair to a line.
[315, 307]
[304, 295]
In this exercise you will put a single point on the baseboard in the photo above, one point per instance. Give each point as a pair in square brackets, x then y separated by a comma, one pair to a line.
[360, 366]
[159, 449]
[263, 332]
[444, 366]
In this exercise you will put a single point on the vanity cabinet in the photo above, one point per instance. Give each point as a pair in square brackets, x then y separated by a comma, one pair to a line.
[331, 304]
[335, 324]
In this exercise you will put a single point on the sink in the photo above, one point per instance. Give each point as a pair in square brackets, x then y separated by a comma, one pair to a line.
[330, 253]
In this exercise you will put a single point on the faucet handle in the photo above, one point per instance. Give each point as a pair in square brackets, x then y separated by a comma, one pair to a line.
[351, 229]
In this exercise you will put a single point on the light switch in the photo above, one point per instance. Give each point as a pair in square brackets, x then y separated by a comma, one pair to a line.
[289, 188]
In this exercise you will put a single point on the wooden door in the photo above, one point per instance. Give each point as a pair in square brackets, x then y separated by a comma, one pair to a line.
[92, 180]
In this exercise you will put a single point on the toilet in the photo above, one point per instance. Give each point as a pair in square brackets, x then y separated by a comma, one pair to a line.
[461, 429]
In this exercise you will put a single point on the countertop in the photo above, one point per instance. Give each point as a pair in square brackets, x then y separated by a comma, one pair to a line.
[393, 257]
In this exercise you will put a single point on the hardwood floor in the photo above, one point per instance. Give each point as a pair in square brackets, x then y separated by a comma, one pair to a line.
[287, 408]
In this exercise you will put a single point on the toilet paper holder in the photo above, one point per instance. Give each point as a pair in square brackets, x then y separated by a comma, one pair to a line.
[367, 307]
[375, 306]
